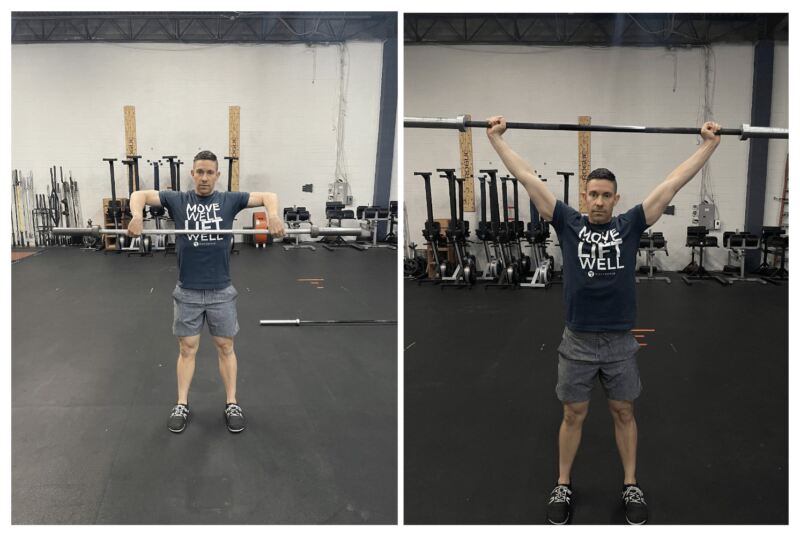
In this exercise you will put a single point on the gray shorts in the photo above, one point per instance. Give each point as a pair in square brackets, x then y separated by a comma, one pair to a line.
[584, 356]
[217, 307]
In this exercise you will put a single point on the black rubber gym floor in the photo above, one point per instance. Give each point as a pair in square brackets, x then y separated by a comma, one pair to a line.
[93, 377]
[481, 415]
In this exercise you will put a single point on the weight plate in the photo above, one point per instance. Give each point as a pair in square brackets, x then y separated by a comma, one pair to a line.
[511, 274]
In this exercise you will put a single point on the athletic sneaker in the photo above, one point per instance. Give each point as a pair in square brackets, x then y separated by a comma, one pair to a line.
[635, 506]
[559, 507]
[234, 418]
[178, 418]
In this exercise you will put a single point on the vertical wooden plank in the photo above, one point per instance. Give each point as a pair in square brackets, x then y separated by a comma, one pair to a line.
[584, 161]
[130, 130]
[783, 215]
[467, 171]
[233, 145]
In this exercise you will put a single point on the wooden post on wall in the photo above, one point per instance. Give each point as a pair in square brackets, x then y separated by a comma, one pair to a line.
[584, 161]
[233, 145]
[130, 130]
[467, 172]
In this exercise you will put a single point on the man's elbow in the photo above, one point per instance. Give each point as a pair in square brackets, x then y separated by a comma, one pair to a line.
[652, 214]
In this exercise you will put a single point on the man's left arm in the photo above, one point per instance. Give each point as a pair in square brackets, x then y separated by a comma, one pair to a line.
[662, 195]
[268, 200]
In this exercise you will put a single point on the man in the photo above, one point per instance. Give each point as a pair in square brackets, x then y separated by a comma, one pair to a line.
[599, 253]
[204, 291]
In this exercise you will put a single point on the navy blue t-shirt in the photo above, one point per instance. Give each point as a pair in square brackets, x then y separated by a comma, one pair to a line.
[599, 268]
[204, 257]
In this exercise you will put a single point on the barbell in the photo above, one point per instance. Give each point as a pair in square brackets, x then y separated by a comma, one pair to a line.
[462, 124]
[313, 231]
[300, 322]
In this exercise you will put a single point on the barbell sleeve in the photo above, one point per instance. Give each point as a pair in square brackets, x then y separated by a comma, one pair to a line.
[459, 122]
[462, 124]
[749, 131]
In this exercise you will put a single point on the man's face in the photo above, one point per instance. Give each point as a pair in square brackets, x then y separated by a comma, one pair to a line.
[205, 175]
[600, 200]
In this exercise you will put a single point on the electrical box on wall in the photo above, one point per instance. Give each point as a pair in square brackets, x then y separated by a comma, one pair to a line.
[340, 191]
[704, 215]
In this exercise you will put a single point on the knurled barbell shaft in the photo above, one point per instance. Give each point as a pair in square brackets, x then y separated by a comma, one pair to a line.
[313, 231]
[462, 123]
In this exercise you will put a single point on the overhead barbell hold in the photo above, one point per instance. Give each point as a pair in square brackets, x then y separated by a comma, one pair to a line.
[314, 231]
[462, 124]
[300, 322]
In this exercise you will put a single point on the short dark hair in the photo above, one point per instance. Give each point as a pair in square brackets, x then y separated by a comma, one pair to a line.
[597, 173]
[205, 155]
[603, 173]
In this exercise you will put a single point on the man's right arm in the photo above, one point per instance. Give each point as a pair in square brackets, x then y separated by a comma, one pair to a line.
[542, 198]
[138, 200]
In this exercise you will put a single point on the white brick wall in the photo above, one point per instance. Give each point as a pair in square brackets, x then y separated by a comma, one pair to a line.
[68, 110]
[635, 86]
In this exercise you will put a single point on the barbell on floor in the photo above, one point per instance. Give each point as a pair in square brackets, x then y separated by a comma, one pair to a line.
[300, 322]
[462, 123]
[313, 231]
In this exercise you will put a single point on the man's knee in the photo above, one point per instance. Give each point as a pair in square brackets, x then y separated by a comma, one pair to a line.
[189, 346]
[575, 413]
[224, 347]
[621, 411]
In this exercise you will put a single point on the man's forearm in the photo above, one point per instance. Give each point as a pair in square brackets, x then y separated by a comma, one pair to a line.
[137, 203]
[270, 204]
[517, 165]
[662, 195]
[542, 198]
[689, 168]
